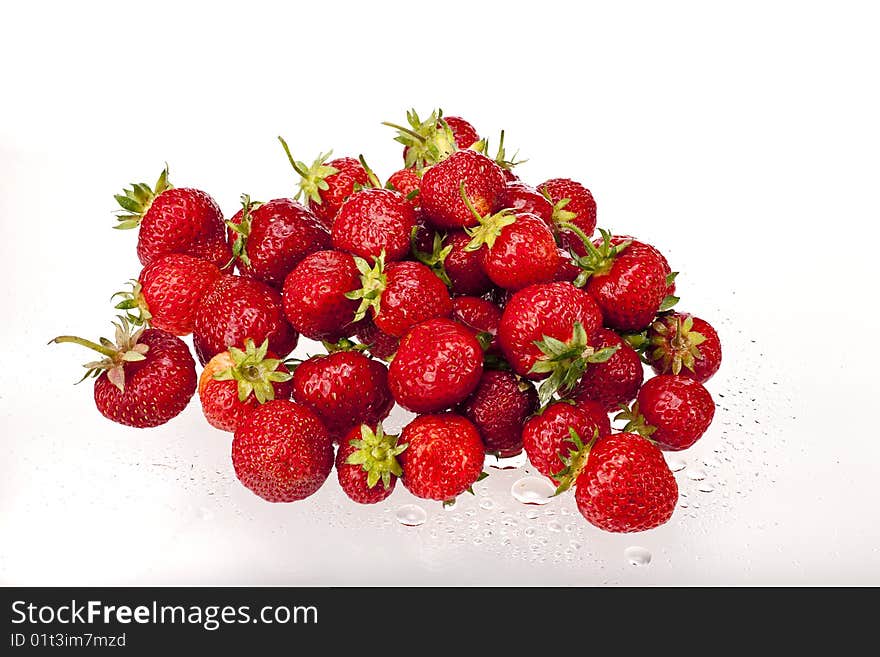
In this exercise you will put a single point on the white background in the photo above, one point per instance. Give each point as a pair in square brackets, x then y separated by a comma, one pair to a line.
[743, 141]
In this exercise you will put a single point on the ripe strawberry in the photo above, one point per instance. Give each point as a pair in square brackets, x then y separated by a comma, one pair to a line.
[428, 142]
[442, 201]
[406, 181]
[464, 133]
[449, 258]
[437, 365]
[622, 483]
[572, 203]
[167, 292]
[544, 332]
[684, 345]
[238, 308]
[444, 456]
[644, 249]
[344, 389]
[479, 315]
[281, 452]
[547, 436]
[326, 184]
[366, 456]
[270, 239]
[614, 382]
[567, 270]
[378, 344]
[399, 295]
[629, 285]
[372, 222]
[521, 198]
[173, 220]
[145, 379]
[498, 408]
[673, 411]
[235, 382]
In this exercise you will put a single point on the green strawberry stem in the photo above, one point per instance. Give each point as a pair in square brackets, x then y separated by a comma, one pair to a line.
[312, 178]
[135, 202]
[101, 349]
[373, 282]
[575, 461]
[371, 175]
[377, 453]
[411, 133]
[242, 231]
[490, 226]
[253, 372]
[635, 421]
[134, 304]
[296, 165]
[434, 260]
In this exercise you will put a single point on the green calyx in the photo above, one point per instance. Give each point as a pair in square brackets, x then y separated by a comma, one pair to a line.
[434, 260]
[313, 179]
[344, 344]
[674, 344]
[373, 282]
[242, 230]
[136, 201]
[377, 453]
[134, 304]
[253, 372]
[575, 461]
[501, 154]
[635, 421]
[490, 226]
[428, 142]
[372, 179]
[126, 349]
[598, 259]
[566, 362]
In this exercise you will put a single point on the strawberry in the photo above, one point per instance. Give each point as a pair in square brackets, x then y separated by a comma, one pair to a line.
[235, 382]
[344, 389]
[464, 133]
[238, 308]
[399, 295]
[614, 382]
[145, 379]
[428, 142]
[367, 465]
[314, 295]
[478, 314]
[167, 292]
[374, 221]
[629, 285]
[571, 203]
[406, 181]
[173, 220]
[281, 452]
[521, 198]
[684, 345]
[270, 239]
[622, 482]
[673, 411]
[448, 257]
[646, 250]
[378, 344]
[566, 270]
[547, 437]
[545, 332]
[326, 184]
[444, 456]
[498, 408]
[437, 365]
[442, 201]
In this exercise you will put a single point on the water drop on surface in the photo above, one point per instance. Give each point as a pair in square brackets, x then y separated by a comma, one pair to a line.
[637, 556]
[487, 504]
[554, 526]
[676, 463]
[509, 463]
[411, 515]
[705, 487]
[532, 490]
[696, 474]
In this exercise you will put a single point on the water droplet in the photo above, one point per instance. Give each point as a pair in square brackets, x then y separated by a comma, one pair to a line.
[532, 490]
[675, 463]
[705, 487]
[696, 474]
[554, 526]
[411, 515]
[487, 503]
[529, 531]
[637, 556]
[509, 463]
[575, 544]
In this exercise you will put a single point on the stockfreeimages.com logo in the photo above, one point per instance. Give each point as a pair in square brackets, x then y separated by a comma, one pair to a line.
[210, 617]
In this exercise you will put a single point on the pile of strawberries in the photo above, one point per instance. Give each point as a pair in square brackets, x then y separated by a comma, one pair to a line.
[453, 290]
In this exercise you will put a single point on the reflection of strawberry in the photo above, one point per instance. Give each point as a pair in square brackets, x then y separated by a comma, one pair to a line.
[614, 382]
[372, 222]
[367, 465]
[498, 408]
[547, 438]
[683, 344]
[442, 202]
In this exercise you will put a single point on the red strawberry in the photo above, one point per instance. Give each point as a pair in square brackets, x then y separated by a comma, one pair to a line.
[235, 382]
[572, 203]
[448, 257]
[173, 220]
[521, 198]
[372, 222]
[567, 270]
[547, 437]
[622, 483]
[629, 285]
[442, 201]
[614, 382]
[366, 464]
[478, 314]
[544, 332]
[270, 239]
[400, 295]
[238, 308]
[345, 389]
[646, 250]
[498, 408]
[683, 344]
[465, 134]
[168, 291]
[444, 456]
[282, 452]
[145, 379]
[673, 411]
[379, 345]
[406, 181]
[430, 141]
[437, 365]
[326, 184]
